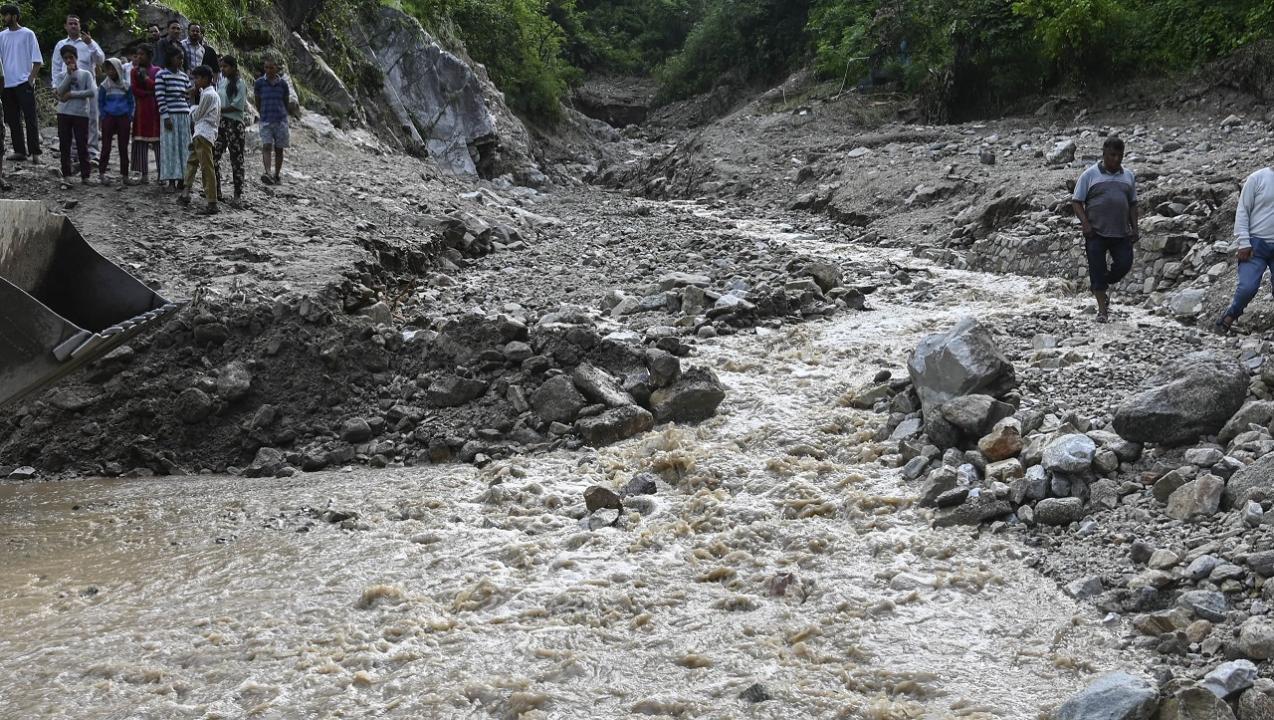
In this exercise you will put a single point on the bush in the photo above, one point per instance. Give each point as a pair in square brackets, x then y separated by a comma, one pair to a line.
[751, 40]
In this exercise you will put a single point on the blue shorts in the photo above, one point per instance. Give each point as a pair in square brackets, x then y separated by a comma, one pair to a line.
[275, 134]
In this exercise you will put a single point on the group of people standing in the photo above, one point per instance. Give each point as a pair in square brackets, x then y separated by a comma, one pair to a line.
[173, 96]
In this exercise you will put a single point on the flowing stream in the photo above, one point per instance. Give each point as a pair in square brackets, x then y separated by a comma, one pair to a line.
[779, 550]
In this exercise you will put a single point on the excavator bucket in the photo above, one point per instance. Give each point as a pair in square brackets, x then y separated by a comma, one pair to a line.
[61, 303]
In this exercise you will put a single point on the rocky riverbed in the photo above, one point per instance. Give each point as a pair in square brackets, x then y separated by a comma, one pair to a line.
[665, 453]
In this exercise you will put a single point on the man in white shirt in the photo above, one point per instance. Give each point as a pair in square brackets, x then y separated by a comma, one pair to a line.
[91, 58]
[21, 60]
[1254, 228]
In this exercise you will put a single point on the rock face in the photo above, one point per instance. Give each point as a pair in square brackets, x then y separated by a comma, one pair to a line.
[961, 361]
[443, 106]
[1115, 696]
[1189, 397]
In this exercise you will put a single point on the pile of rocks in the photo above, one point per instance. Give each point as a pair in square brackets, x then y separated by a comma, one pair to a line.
[287, 384]
[806, 288]
[1232, 690]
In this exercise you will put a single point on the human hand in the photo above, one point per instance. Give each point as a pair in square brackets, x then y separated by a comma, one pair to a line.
[1245, 254]
[168, 123]
[1088, 233]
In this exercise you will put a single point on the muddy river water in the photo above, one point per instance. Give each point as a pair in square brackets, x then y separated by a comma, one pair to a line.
[779, 550]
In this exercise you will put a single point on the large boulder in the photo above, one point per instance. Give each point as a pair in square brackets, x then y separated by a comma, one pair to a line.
[694, 397]
[964, 360]
[1195, 703]
[1189, 397]
[439, 103]
[1114, 696]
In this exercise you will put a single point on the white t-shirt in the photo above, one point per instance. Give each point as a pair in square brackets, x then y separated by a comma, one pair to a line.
[90, 57]
[207, 114]
[1255, 216]
[18, 50]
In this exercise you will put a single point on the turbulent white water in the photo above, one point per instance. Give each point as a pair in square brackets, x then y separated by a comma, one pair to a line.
[780, 549]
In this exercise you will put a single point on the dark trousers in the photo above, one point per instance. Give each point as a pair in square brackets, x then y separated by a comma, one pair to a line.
[73, 127]
[19, 115]
[1250, 273]
[1101, 275]
[115, 128]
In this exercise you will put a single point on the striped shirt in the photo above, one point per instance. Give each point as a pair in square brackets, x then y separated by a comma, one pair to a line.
[172, 90]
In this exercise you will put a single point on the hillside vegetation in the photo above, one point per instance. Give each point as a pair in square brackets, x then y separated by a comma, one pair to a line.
[974, 55]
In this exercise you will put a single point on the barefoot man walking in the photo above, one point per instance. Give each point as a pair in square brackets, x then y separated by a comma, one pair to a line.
[1254, 227]
[1105, 202]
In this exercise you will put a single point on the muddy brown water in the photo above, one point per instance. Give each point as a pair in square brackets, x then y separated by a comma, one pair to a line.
[779, 549]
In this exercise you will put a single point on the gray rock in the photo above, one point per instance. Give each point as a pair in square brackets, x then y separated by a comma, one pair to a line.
[1256, 638]
[1262, 562]
[1202, 566]
[1165, 486]
[1085, 588]
[454, 391]
[378, 313]
[1070, 454]
[614, 425]
[26, 472]
[907, 429]
[1190, 396]
[827, 275]
[1188, 303]
[1230, 678]
[557, 400]
[915, 467]
[1201, 497]
[1260, 412]
[356, 430]
[938, 482]
[964, 360]
[694, 397]
[1063, 152]
[234, 382]
[193, 405]
[1257, 703]
[600, 387]
[664, 367]
[1114, 696]
[974, 511]
[1253, 514]
[1059, 511]
[1036, 482]
[267, 463]
[642, 484]
[1194, 703]
[1253, 482]
[1204, 457]
[1207, 604]
[952, 497]
[975, 415]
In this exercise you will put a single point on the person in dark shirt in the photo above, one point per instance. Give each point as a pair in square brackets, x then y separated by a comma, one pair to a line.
[271, 93]
[1105, 201]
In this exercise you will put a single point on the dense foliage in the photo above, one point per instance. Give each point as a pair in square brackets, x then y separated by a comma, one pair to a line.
[972, 55]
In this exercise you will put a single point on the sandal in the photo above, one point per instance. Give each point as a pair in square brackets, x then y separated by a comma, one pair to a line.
[265, 178]
[1225, 324]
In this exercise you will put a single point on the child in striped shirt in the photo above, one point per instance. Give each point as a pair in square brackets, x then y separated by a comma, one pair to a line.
[172, 88]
